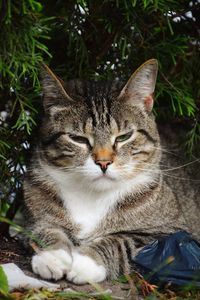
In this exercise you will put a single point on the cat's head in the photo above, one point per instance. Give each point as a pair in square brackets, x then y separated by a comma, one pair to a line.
[102, 134]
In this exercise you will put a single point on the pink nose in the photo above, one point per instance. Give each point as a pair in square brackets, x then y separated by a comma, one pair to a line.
[103, 164]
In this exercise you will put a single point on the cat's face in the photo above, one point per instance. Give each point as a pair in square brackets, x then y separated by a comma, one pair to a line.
[100, 135]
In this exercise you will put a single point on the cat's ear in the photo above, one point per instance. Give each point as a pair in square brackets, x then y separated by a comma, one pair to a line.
[141, 85]
[54, 93]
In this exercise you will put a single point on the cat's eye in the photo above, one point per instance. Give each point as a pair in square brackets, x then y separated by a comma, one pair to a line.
[123, 137]
[79, 139]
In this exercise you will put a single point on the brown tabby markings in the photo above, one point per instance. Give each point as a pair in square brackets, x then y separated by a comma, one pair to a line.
[97, 189]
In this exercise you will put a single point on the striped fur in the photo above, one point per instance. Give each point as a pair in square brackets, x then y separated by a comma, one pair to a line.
[95, 191]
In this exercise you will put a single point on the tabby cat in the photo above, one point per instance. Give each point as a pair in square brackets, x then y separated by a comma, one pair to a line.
[97, 189]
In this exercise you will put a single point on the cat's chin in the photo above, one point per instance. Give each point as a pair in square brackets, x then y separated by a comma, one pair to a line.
[104, 178]
[103, 182]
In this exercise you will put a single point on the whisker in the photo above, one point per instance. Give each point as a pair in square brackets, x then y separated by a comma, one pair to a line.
[166, 151]
[156, 164]
[182, 178]
[72, 168]
[164, 174]
[173, 168]
[182, 166]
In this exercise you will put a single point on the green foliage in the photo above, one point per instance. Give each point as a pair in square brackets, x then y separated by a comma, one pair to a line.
[19, 229]
[193, 137]
[4, 288]
[23, 32]
[96, 40]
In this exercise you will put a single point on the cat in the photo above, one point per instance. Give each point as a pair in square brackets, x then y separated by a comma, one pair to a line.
[97, 188]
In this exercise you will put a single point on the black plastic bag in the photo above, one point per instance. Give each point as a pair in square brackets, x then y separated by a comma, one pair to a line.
[173, 259]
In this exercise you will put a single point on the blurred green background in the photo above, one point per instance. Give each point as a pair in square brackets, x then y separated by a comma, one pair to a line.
[95, 39]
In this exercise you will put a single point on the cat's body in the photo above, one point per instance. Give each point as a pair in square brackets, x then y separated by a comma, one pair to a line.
[96, 191]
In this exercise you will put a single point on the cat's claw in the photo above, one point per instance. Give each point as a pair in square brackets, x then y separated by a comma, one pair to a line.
[52, 264]
[84, 269]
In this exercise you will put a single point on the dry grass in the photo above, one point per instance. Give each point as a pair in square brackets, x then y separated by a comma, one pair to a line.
[138, 289]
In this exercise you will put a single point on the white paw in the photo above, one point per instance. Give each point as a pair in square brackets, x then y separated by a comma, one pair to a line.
[84, 269]
[52, 264]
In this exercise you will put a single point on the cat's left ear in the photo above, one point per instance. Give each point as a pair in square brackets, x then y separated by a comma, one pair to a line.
[54, 94]
[141, 85]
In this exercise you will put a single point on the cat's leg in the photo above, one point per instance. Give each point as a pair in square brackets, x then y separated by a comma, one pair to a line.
[105, 258]
[57, 258]
[54, 259]
[50, 228]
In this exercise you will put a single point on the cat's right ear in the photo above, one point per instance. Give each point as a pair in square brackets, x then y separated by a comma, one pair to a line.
[140, 87]
[54, 93]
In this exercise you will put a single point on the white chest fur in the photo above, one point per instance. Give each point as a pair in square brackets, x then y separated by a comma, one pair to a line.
[88, 207]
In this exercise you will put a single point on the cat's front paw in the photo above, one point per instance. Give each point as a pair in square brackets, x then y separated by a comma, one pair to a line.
[84, 269]
[52, 264]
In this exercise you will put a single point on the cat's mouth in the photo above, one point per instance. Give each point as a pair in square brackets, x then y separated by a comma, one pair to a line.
[104, 177]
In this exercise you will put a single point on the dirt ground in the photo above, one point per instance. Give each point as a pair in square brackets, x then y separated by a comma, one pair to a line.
[12, 251]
